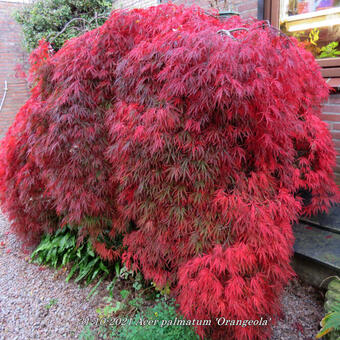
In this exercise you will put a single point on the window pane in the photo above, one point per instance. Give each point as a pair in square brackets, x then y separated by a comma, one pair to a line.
[316, 23]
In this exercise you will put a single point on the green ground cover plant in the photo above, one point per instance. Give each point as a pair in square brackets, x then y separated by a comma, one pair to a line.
[60, 249]
[148, 324]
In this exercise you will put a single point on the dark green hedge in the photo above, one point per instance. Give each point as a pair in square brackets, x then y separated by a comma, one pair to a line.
[46, 18]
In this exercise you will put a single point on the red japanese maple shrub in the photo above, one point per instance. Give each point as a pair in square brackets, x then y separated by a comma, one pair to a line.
[199, 136]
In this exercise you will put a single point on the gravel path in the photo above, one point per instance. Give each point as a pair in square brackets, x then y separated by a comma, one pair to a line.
[27, 290]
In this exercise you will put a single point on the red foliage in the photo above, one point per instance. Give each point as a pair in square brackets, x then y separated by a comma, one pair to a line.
[20, 72]
[203, 141]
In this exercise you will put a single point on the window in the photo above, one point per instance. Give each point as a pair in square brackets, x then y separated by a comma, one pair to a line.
[316, 23]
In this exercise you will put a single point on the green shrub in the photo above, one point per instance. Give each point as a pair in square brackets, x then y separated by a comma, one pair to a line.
[46, 18]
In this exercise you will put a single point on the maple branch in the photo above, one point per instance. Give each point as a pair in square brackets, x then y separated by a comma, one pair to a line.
[228, 32]
[210, 14]
[214, 4]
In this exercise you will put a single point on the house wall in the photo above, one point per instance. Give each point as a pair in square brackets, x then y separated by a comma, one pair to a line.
[331, 115]
[246, 8]
[11, 54]
[18, 1]
[128, 4]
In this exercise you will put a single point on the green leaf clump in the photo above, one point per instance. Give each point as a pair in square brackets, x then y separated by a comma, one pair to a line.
[60, 249]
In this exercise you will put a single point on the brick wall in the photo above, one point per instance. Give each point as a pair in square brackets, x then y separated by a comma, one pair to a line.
[11, 54]
[246, 8]
[331, 115]
[18, 1]
[128, 4]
